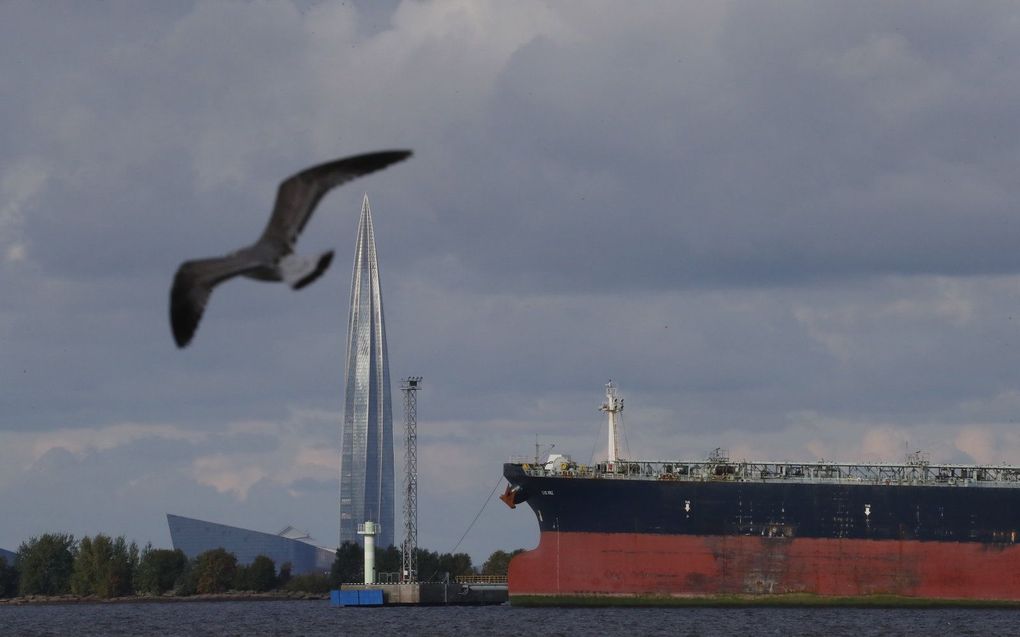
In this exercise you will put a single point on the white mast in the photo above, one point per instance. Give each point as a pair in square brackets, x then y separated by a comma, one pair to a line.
[612, 406]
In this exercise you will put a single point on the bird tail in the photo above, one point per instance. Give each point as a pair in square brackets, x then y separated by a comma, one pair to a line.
[301, 271]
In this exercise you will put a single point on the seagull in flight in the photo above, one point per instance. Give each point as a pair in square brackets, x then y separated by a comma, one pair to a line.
[272, 257]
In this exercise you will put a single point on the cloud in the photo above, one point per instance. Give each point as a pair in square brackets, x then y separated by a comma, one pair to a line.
[786, 232]
[976, 442]
[22, 452]
[227, 475]
[19, 186]
[911, 303]
[112, 468]
[81, 441]
[294, 451]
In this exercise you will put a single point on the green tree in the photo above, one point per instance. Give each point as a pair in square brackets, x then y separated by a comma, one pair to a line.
[309, 583]
[349, 564]
[242, 579]
[456, 564]
[428, 566]
[187, 582]
[499, 562]
[388, 560]
[435, 567]
[259, 576]
[8, 579]
[104, 567]
[214, 571]
[262, 572]
[284, 576]
[159, 569]
[45, 564]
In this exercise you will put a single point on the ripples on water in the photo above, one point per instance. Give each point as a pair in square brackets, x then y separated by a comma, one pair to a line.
[286, 618]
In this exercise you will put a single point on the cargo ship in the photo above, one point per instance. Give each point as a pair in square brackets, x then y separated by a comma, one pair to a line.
[720, 530]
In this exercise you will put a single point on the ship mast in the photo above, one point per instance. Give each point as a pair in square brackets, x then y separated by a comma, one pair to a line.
[612, 407]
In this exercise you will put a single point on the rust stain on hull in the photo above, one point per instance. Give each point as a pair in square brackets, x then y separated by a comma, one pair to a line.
[621, 564]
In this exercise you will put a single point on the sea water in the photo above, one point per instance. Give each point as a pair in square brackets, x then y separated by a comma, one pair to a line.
[309, 618]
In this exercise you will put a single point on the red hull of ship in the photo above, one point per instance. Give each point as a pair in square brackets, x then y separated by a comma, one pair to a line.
[639, 565]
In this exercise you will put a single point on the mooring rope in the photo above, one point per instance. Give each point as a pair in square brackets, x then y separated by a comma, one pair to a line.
[478, 515]
[468, 530]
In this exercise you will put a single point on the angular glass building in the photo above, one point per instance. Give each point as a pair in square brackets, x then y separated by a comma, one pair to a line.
[198, 536]
[366, 437]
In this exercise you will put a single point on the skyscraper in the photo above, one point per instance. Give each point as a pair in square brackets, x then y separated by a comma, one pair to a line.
[366, 439]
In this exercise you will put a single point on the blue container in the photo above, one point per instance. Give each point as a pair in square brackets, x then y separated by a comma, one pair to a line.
[344, 598]
[370, 598]
[356, 598]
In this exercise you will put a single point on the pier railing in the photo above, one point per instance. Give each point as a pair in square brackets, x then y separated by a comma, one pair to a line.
[481, 579]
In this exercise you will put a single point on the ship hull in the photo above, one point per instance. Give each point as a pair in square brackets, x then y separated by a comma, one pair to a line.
[657, 541]
[578, 567]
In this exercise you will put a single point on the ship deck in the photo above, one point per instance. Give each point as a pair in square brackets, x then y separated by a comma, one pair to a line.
[916, 471]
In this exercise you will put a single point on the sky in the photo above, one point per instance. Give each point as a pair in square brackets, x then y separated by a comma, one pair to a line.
[786, 229]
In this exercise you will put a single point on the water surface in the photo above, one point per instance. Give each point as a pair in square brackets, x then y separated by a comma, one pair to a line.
[311, 618]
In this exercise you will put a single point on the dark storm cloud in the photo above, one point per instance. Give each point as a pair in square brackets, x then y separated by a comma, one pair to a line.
[786, 228]
[770, 151]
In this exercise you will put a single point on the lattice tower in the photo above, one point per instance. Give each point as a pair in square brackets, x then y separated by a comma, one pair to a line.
[409, 547]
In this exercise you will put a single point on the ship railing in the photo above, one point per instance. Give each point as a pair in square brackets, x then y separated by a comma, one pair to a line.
[720, 469]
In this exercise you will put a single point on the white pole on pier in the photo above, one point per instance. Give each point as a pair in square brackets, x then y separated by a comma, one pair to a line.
[368, 530]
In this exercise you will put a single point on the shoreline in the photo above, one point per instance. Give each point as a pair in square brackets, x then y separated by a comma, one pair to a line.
[241, 596]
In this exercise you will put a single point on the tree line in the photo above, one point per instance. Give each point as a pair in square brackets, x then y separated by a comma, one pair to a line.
[106, 567]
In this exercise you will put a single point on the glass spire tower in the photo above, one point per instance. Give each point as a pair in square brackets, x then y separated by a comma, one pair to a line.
[366, 438]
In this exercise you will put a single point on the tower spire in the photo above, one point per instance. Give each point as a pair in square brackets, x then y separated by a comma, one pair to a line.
[366, 439]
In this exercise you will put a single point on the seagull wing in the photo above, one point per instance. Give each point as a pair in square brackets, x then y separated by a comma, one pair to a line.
[299, 194]
[193, 284]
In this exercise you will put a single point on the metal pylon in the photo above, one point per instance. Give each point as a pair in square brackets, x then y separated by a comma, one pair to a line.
[409, 547]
